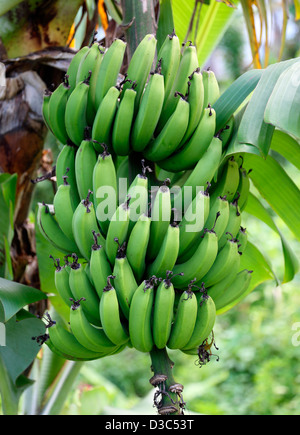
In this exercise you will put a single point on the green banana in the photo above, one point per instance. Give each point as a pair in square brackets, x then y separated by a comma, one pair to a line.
[234, 292]
[234, 223]
[220, 287]
[227, 132]
[220, 207]
[76, 112]
[66, 344]
[118, 229]
[91, 106]
[193, 221]
[163, 311]
[137, 246]
[123, 123]
[191, 151]
[87, 335]
[200, 262]
[85, 160]
[61, 280]
[105, 184]
[195, 95]
[83, 223]
[169, 58]
[242, 239]
[74, 65]
[88, 62]
[106, 75]
[99, 265]
[243, 188]
[224, 261]
[184, 322]
[171, 135]
[188, 64]
[45, 109]
[148, 112]
[206, 168]
[81, 287]
[228, 182]
[110, 315]
[57, 108]
[211, 88]
[124, 282]
[206, 317]
[138, 193]
[193, 246]
[64, 207]
[140, 65]
[51, 230]
[140, 313]
[66, 159]
[167, 255]
[160, 219]
[103, 122]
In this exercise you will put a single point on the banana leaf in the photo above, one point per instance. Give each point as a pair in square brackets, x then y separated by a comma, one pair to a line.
[8, 185]
[291, 263]
[214, 19]
[282, 109]
[287, 147]
[253, 129]
[14, 296]
[232, 98]
[277, 188]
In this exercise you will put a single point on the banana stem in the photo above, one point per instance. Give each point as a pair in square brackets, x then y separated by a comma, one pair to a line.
[168, 397]
[138, 21]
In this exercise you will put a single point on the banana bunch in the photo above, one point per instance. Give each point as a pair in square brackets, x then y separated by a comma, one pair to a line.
[146, 262]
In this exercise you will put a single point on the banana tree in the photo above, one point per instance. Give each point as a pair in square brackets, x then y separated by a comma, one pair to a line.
[254, 103]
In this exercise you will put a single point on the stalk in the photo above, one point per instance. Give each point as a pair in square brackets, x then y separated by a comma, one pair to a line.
[138, 21]
[168, 396]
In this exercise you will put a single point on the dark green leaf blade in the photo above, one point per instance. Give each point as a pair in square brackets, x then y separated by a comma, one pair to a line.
[20, 348]
[253, 129]
[282, 109]
[277, 188]
[14, 296]
[234, 96]
[287, 146]
[291, 264]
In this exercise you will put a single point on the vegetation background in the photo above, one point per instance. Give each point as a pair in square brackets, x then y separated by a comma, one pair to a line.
[258, 367]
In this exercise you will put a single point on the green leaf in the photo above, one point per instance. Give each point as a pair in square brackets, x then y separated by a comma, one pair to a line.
[6, 6]
[114, 11]
[8, 185]
[20, 348]
[282, 109]
[253, 129]
[232, 98]
[256, 208]
[253, 259]
[14, 296]
[214, 20]
[277, 188]
[286, 146]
